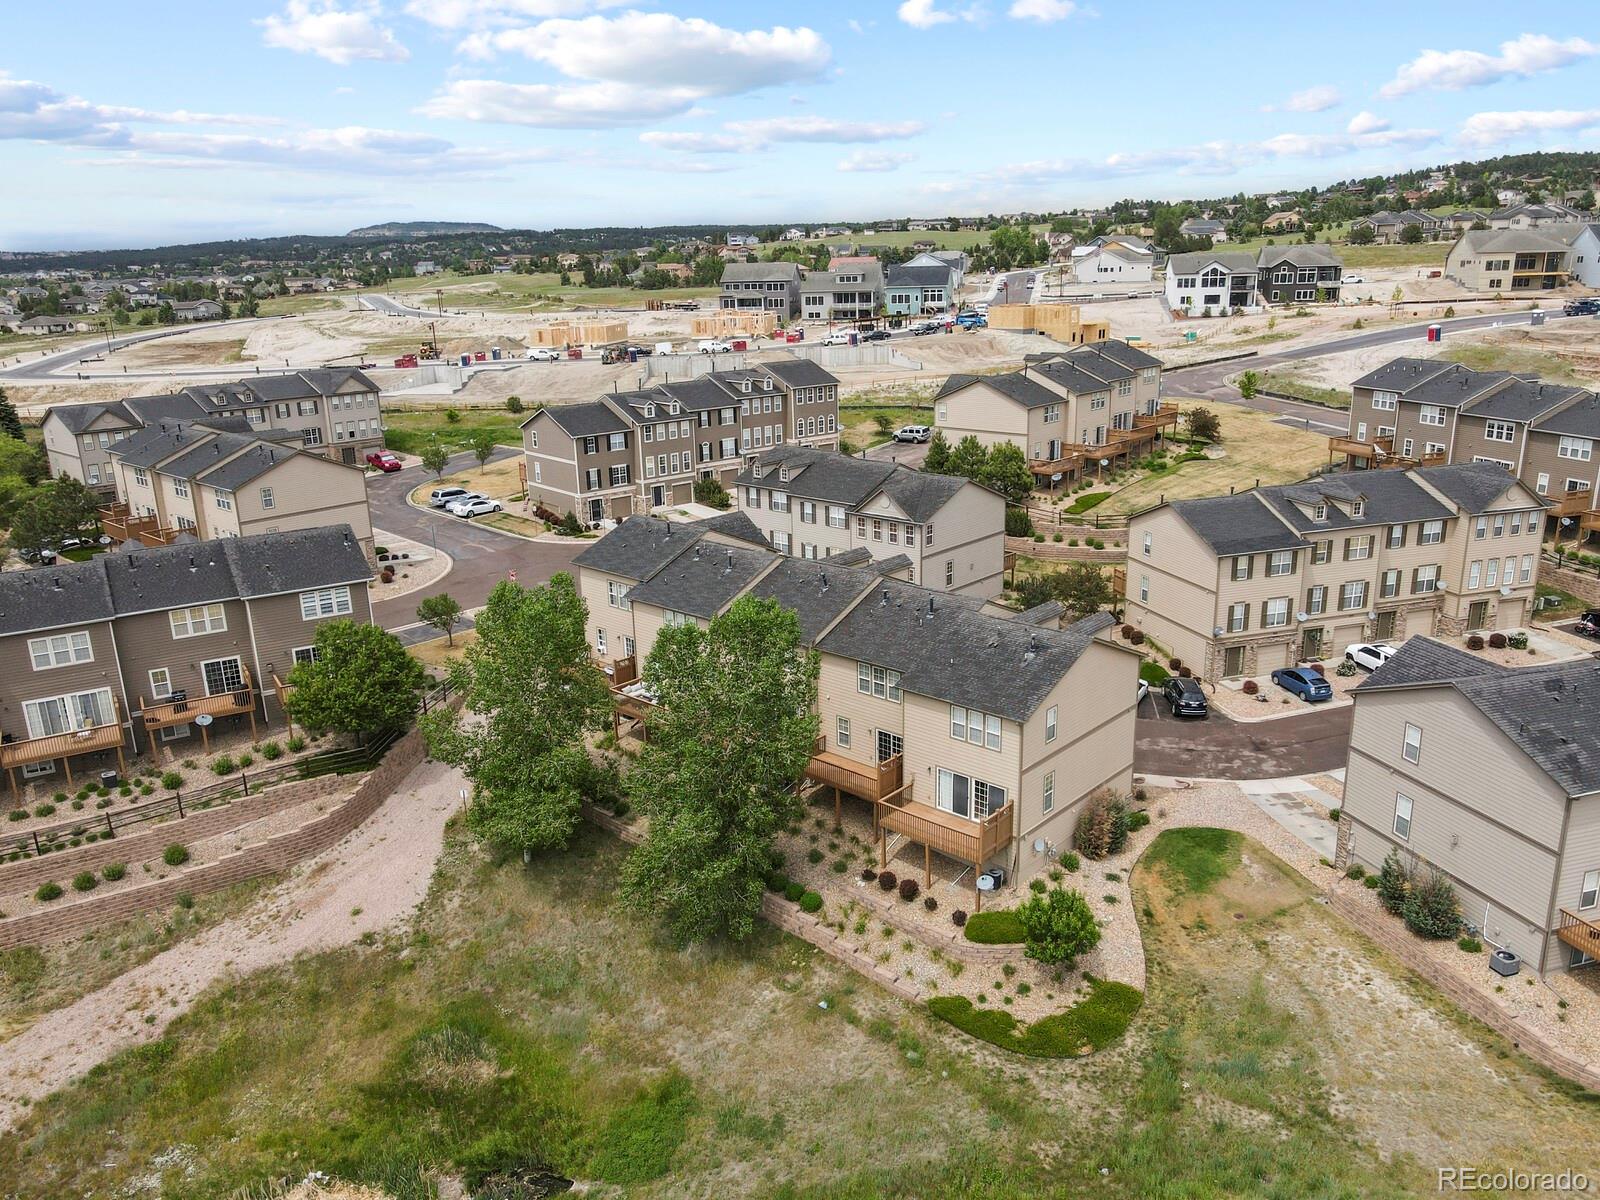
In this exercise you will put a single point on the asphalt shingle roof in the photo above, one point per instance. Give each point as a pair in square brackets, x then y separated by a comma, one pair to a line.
[705, 579]
[1301, 256]
[1387, 496]
[799, 372]
[817, 591]
[638, 547]
[1581, 419]
[587, 420]
[1239, 524]
[1235, 262]
[1474, 486]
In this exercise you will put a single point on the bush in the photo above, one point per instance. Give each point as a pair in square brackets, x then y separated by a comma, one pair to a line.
[929, 903]
[1138, 820]
[175, 855]
[1092, 1024]
[171, 780]
[1474, 642]
[296, 743]
[1371, 882]
[814, 855]
[909, 889]
[1394, 881]
[45, 810]
[1058, 927]
[185, 900]
[245, 760]
[223, 765]
[1431, 909]
[1127, 632]
[1346, 668]
[1356, 871]
[17, 814]
[513, 404]
[793, 891]
[810, 902]
[1470, 944]
[48, 892]
[112, 872]
[1071, 861]
[999, 927]
[1037, 885]
[1497, 641]
[887, 881]
[271, 751]
[958, 917]
[1018, 522]
[84, 881]
[1517, 641]
[1137, 638]
[1102, 828]
[1250, 687]
[868, 874]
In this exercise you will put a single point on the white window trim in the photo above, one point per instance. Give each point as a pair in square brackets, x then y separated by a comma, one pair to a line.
[326, 602]
[1411, 744]
[44, 646]
[207, 625]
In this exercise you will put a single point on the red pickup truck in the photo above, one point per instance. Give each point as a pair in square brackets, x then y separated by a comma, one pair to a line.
[384, 460]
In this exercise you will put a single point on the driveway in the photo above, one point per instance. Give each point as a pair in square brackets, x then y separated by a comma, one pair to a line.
[1219, 747]
[483, 556]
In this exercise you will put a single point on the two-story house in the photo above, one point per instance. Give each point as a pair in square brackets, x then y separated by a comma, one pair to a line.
[1387, 226]
[1490, 775]
[1299, 274]
[1243, 584]
[911, 291]
[819, 503]
[631, 452]
[850, 291]
[1509, 260]
[125, 651]
[1066, 411]
[974, 734]
[1211, 283]
[761, 287]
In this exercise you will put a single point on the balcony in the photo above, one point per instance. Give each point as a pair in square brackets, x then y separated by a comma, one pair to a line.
[1579, 508]
[631, 698]
[940, 832]
[1119, 443]
[65, 746]
[1165, 417]
[121, 524]
[1375, 450]
[845, 774]
[240, 701]
[1579, 933]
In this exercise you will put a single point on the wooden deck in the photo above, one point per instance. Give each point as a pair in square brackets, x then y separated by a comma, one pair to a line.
[117, 522]
[940, 832]
[65, 746]
[1379, 452]
[1579, 933]
[845, 774]
[239, 702]
[1119, 444]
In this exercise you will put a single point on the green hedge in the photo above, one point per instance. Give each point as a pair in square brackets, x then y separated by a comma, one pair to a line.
[1092, 1024]
[998, 928]
[1087, 501]
[1153, 673]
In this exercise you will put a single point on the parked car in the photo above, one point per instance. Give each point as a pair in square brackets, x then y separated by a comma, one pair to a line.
[971, 320]
[875, 335]
[913, 433]
[385, 460]
[922, 327]
[441, 496]
[543, 354]
[1185, 698]
[1587, 306]
[1141, 693]
[1370, 655]
[1305, 682]
[641, 351]
[1589, 624]
[836, 339]
[474, 507]
[716, 348]
[1347, 277]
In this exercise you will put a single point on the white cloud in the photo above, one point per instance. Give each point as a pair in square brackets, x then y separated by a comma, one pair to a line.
[1367, 122]
[1453, 70]
[696, 143]
[1313, 100]
[340, 35]
[36, 111]
[874, 160]
[470, 14]
[556, 106]
[1491, 128]
[824, 129]
[921, 14]
[1043, 11]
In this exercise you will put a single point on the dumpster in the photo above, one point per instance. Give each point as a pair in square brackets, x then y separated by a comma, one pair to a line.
[741, 344]
[480, 356]
[575, 352]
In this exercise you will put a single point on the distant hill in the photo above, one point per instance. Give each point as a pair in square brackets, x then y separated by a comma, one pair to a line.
[422, 229]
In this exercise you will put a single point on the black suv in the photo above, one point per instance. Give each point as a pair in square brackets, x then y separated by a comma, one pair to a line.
[1583, 308]
[1185, 698]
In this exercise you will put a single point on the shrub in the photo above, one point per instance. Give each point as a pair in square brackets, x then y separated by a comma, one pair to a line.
[44, 810]
[793, 891]
[296, 743]
[909, 889]
[17, 814]
[175, 855]
[1470, 944]
[1000, 927]
[1394, 881]
[1345, 669]
[1058, 926]
[814, 855]
[1371, 881]
[1018, 523]
[1356, 871]
[271, 751]
[223, 765]
[171, 780]
[1055, 537]
[1497, 641]
[777, 882]
[1333, 814]
[1137, 638]
[1138, 820]
[1517, 641]
[84, 881]
[1070, 861]
[929, 903]
[887, 880]
[1431, 909]
[1474, 642]
[958, 917]
[185, 900]
[112, 872]
[513, 404]
[1250, 687]
[1102, 827]
[48, 892]
[245, 760]
[810, 902]
[868, 874]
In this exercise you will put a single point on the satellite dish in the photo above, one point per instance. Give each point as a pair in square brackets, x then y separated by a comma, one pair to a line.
[203, 719]
[1038, 846]
[105, 539]
[1300, 616]
[1505, 591]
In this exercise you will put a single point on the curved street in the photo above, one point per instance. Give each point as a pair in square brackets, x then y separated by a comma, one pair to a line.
[1221, 748]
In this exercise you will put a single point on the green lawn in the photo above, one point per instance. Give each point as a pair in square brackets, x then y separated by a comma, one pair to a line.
[407, 432]
[277, 306]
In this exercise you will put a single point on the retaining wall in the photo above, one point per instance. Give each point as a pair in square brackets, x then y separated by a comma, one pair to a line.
[1582, 584]
[1062, 551]
[275, 854]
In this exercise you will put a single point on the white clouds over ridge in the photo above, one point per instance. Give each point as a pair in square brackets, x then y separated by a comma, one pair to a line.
[333, 32]
[1452, 70]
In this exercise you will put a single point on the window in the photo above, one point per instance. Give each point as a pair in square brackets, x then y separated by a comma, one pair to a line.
[1430, 414]
[1402, 817]
[1238, 617]
[305, 654]
[325, 602]
[1499, 431]
[600, 641]
[223, 499]
[139, 477]
[1589, 892]
[1275, 612]
[977, 728]
[1526, 574]
[779, 502]
[1499, 524]
[1411, 745]
[617, 595]
[66, 714]
[841, 733]
[1389, 585]
[1316, 600]
[1516, 523]
[307, 408]
[1241, 567]
[203, 618]
[1357, 548]
[60, 650]
[1431, 533]
[1425, 580]
[1148, 541]
[808, 512]
[1480, 527]
[1475, 573]
[1384, 401]
[1491, 574]
[1280, 562]
[949, 572]
[752, 497]
[1051, 716]
[1322, 551]
[617, 441]
[1353, 595]
[180, 488]
[1397, 537]
[837, 518]
[1579, 448]
[1144, 589]
[266, 498]
[311, 437]
[878, 681]
[222, 675]
[1049, 790]
[161, 682]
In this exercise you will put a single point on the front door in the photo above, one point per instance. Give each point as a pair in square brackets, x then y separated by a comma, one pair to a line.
[597, 510]
[658, 495]
[1232, 662]
[1477, 614]
[889, 745]
[1386, 621]
[1310, 644]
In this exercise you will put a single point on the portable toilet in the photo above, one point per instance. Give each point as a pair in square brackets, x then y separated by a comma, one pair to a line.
[633, 354]
[1537, 318]
[852, 339]
[1191, 336]
[1435, 333]
[479, 356]
[494, 353]
[466, 360]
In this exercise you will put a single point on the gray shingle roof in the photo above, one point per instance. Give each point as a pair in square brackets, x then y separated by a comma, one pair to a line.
[1474, 486]
[918, 494]
[67, 594]
[959, 654]
[1423, 382]
[1318, 255]
[1423, 660]
[1521, 400]
[735, 524]
[918, 277]
[587, 420]
[1581, 419]
[1239, 524]
[1028, 392]
[737, 272]
[1235, 262]
[638, 547]
[703, 580]
[817, 591]
[252, 464]
[823, 475]
[1387, 496]
[799, 372]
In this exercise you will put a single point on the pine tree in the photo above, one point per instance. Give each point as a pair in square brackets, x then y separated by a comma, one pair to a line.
[10, 423]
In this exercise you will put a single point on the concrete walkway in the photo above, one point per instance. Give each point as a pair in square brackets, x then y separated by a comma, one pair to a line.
[1300, 808]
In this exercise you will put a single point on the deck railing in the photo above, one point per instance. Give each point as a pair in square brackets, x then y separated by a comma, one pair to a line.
[235, 702]
[1579, 933]
[945, 833]
[64, 746]
[870, 781]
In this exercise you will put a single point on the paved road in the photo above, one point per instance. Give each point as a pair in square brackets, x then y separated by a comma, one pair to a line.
[46, 366]
[1220, 748]
[482, 556]
[386, 304]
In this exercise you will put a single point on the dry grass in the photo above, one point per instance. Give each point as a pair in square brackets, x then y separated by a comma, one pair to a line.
[498, 480]
[512, 523]
[439, 654]
[185, 352]
[1259, 450]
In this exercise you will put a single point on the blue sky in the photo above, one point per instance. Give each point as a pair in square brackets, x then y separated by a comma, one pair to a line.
[134, 124]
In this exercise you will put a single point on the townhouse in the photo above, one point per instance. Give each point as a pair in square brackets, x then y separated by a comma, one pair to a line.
[215, 479]
[818, 503]
[333, 411]
[1426, 411]
[1509, 260]
[761, 287]
[974, 732]
[123, 652]
[1066, 411]
[1387, 226]
[1490, 775]
[631, 452]
[850, 291]
[1533, 216]
[1240, 585]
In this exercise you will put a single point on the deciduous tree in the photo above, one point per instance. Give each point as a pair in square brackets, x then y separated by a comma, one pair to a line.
[55, 509]
[483, 448]
[1203, 425]
[731, 736]
[435, 458]
[361, 680]
[443, 612]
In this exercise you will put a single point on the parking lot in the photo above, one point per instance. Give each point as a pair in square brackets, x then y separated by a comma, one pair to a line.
[1218, 747]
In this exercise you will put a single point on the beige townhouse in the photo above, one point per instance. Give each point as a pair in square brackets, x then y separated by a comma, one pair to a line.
[633, 452]
[331, 411]
[976, 734]
[1490, 775]
[120, 654]
[210, 480]
[1241, 585]
[1068, 412]
[1509, 260]
[816, 503]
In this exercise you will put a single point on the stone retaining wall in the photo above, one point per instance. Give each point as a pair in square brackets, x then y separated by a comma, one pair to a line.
[1394, 938]
[28, 873]
[1060, 551]
[1582, 584]
[275, 854]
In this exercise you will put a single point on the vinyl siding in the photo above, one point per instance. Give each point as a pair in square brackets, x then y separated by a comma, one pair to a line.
[987, 414]
[837, 697]
[1183, 572]
[1580, 854]
[279, 630]
[23, 683]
